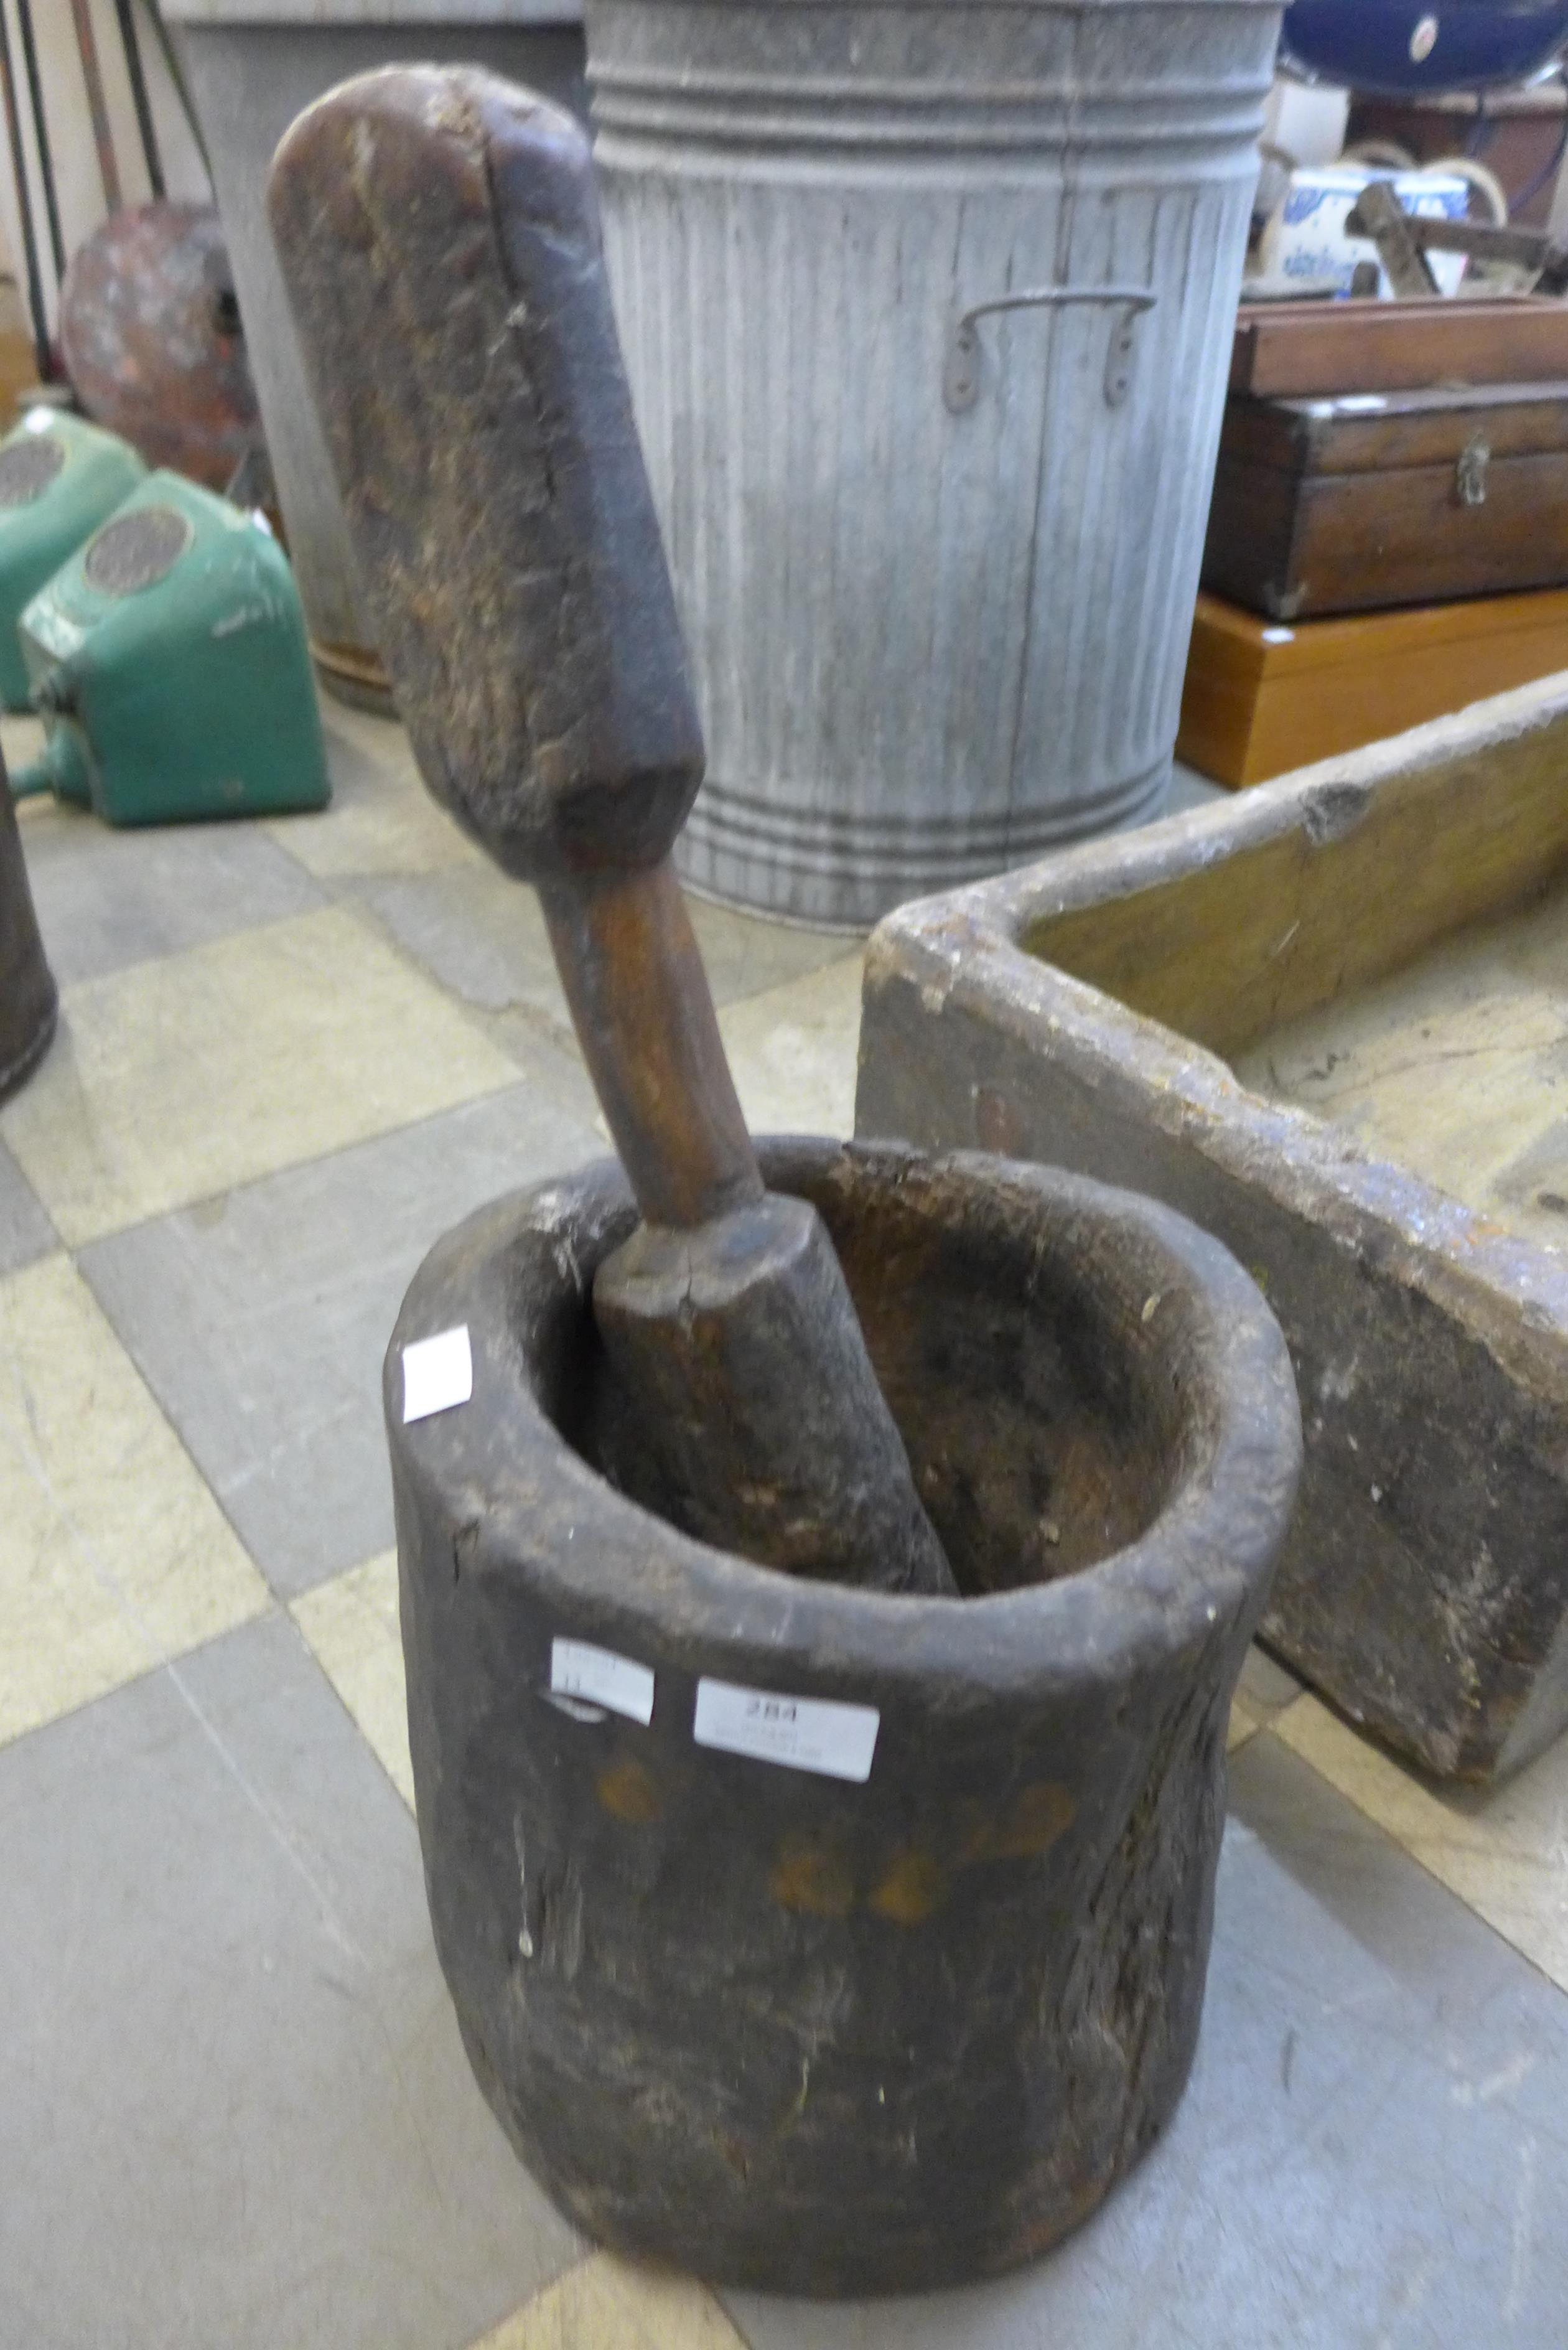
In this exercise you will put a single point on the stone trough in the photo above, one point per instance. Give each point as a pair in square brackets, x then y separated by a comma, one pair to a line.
[1329, 1021]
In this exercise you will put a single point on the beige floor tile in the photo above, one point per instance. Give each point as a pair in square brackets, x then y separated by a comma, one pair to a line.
[612, 2304]
[1263, 1690]
[1505, 1855]
[351, 1623]
[1267, 1686]
[113, 1553]
[1245, 1722]
[399, 833]
[22, 739]
[793, 1051]
[174, 1080]
[381, 819]
[746, 954]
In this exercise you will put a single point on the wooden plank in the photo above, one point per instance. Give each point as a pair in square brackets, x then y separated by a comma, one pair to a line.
[1378, 213]
[1529, 248]
[1350, 347]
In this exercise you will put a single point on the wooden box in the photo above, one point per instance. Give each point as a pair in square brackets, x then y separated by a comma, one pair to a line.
[1398, 497]
[1329, 1021]
[1376, 498]
[1285, 349]
[1262, 697]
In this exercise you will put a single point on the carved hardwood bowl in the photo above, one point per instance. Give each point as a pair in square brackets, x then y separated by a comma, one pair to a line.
[802, 1936]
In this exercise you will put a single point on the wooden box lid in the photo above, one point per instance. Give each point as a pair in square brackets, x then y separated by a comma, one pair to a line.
[1380, 431]
[1299, 349]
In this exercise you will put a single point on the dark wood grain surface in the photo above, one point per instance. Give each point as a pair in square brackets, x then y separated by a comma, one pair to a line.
[1340, 347]
[1325, 506]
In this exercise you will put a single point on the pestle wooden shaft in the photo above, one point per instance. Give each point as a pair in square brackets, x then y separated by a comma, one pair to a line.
[772, 1435]
[726, 1313]
[640, 1004]
[439, 237]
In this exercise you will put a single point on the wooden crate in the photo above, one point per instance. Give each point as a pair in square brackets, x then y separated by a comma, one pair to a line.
[1263, 697]
[1328, 1021]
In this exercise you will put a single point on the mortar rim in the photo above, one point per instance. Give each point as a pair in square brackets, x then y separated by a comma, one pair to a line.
[640, 1582]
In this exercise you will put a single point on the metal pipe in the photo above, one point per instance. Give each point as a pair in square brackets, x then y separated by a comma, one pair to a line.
[37, 312]
[97, 104]
[175, 72]
[41, 136]
[124, 10]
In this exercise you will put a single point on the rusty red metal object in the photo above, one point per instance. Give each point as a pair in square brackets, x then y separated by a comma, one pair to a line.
[98, 103]
[151, 332]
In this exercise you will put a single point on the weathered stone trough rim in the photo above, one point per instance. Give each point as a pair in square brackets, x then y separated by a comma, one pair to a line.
[634, 1581]
[975, 940]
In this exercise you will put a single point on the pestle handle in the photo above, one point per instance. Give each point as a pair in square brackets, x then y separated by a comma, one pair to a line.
[439, 235]
[644, 1014]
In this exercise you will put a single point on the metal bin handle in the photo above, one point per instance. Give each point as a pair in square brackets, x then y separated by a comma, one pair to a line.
[961, 375]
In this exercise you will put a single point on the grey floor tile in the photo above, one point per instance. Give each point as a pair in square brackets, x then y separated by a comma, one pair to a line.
[364, 747]
[1266, 1683]
[1189, 789]
[1372, 2153]
[746, 954]
[25, 1231]
[107, 898]
[475, 931]
[365, 754]
[235, 2112]
[259, 1319]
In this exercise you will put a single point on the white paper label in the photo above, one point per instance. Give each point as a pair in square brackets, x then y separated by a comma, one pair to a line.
[578, 1670]
[437, 1373]
[803, 1734]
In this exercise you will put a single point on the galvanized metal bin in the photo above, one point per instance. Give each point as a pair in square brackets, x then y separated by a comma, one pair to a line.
[936, 549]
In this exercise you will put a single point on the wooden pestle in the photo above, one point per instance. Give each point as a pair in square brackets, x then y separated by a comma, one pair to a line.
[439, 234]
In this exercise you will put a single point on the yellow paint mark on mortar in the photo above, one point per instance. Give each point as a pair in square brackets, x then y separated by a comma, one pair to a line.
[813, 1876]
[1038, 1814]
[630, 1791]
[913, 1885]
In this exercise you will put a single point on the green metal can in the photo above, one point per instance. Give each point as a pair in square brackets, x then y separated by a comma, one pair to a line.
[59, 478]
[168, 662]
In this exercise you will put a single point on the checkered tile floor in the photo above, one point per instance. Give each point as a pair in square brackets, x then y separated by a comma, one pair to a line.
[233, 2109]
